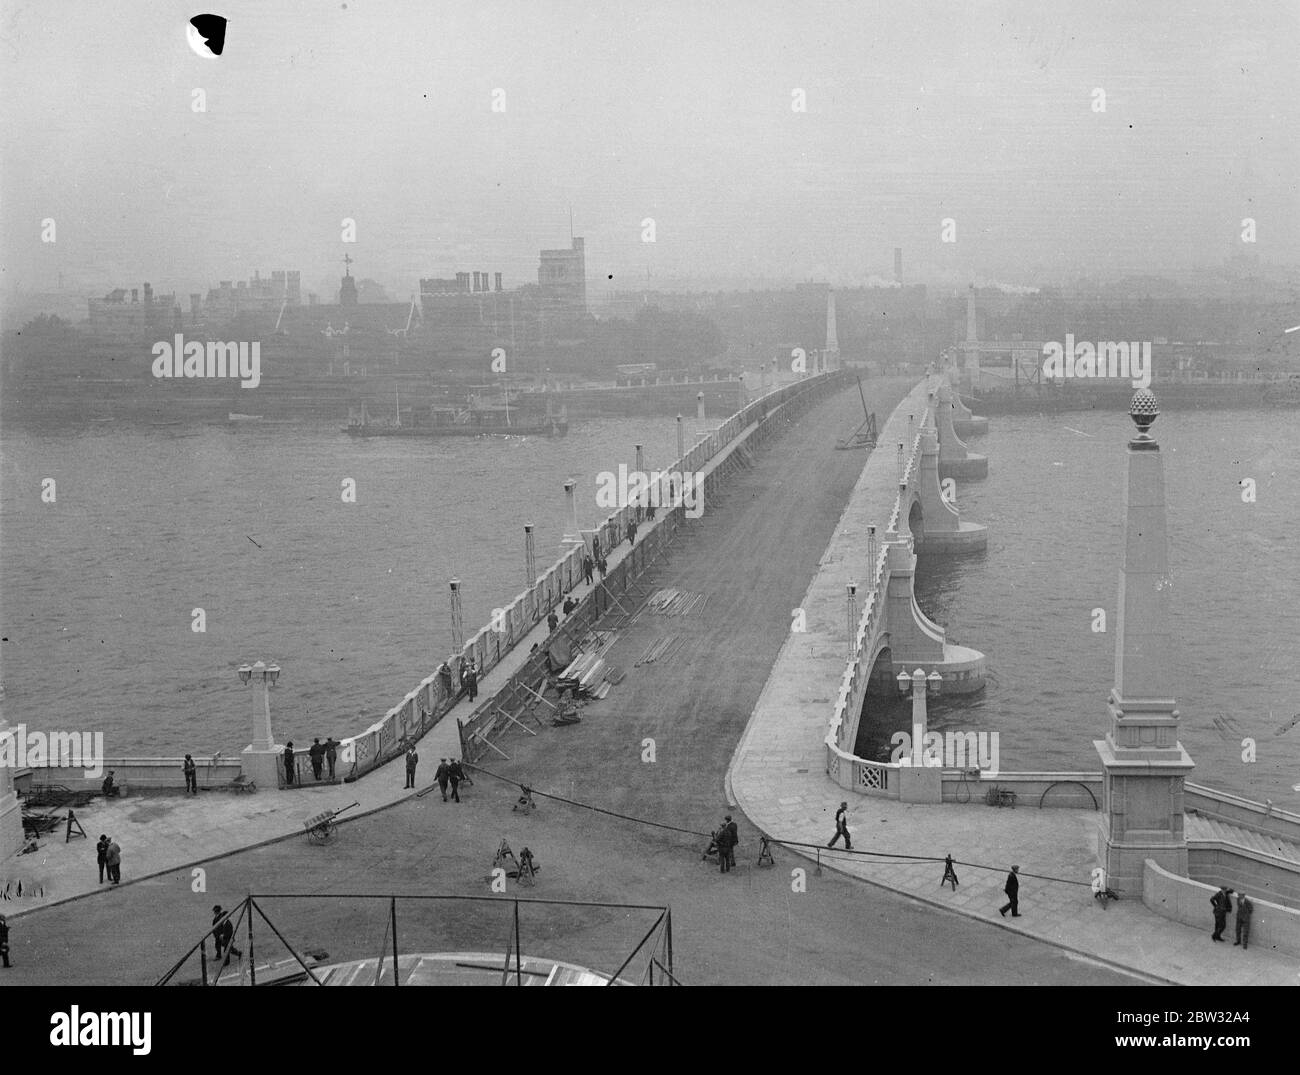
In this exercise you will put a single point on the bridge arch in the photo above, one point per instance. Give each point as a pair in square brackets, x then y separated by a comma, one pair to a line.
[916, 522]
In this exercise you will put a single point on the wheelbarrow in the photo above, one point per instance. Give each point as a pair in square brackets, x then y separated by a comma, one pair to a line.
[320, 828]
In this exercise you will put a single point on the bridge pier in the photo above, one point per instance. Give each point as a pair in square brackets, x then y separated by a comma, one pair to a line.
[964, 422]
[914, 640]
[955, 459]
[942, 529]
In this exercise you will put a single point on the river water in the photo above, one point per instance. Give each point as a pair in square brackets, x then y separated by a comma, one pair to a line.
[98, 589]
[1054, 505]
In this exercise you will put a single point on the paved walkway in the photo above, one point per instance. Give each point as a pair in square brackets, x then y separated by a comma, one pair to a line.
[778, 778]
[160, 832]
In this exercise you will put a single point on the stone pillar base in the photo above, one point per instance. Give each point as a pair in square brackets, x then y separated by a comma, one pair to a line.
[1124, 862]
[263, 767]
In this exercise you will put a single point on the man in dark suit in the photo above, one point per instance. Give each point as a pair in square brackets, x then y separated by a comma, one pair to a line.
[101, 855]
[1012, 889]
[288, 763]
[722, 841]
[1221, 902]
[1244, 910]
[224, 933]
[842, 828]
[733, 838]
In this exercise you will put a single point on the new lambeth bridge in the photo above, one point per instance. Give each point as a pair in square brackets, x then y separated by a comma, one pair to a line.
[779, 702]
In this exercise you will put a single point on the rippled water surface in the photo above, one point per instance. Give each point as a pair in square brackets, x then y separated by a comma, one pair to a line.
[98, 589]
[1053, 502]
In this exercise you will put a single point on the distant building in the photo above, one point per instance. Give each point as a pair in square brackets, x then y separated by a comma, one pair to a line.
[114, 315]
[260, 295]
[347, 286]
[562, 278]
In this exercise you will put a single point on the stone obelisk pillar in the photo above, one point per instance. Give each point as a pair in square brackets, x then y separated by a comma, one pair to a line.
[1144, 765]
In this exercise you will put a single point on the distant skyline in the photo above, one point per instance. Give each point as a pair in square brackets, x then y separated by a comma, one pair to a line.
[914, 113]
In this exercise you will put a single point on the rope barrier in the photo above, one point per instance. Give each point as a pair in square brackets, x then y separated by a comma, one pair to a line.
[884, 857]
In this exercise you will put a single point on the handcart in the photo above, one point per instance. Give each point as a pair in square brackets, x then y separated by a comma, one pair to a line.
[320, 829]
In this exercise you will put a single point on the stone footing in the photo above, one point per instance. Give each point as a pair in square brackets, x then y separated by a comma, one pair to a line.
[973, 466]
[975, 426]
[968, 537]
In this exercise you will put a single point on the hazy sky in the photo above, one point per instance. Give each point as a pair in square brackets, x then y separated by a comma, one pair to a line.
[679, 111]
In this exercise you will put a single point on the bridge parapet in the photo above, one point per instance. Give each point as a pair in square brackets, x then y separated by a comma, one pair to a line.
[890, 617]
[955, 459]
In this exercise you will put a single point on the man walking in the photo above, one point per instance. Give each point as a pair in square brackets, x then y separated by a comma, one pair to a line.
[587, 567]
[1221, 901]
[288, 763]
[331, 753]
[471, 679]
[191, 775]
[224, 933]
[733, 838]
[444, 674]
[101, 855]
[552, 621]
[113, 857]
[722, 841]
[842, 827]
[1244, 910]
[441, 775]
[412, 760]
[4, 943]
[631, 533]
[949, 874]
[317, 754]
[455, 774]
[1012, 889]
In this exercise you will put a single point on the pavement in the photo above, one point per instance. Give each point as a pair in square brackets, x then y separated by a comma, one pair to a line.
[777, 777]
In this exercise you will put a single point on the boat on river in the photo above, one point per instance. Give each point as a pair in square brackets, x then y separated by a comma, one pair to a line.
[481, 415]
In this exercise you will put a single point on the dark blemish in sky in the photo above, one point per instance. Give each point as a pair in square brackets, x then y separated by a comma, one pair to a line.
[212, 28]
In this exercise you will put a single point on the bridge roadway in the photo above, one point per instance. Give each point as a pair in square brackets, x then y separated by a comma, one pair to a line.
[753, 552]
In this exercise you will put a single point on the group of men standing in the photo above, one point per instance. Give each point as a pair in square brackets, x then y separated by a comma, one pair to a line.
[448, 773]
[1221, 902]
[108, 856]
[321, 754]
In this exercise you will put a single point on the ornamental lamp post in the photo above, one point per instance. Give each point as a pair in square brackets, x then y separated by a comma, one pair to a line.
[260, 758]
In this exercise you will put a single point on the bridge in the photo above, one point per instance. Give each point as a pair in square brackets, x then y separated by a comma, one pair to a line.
[892, 634]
